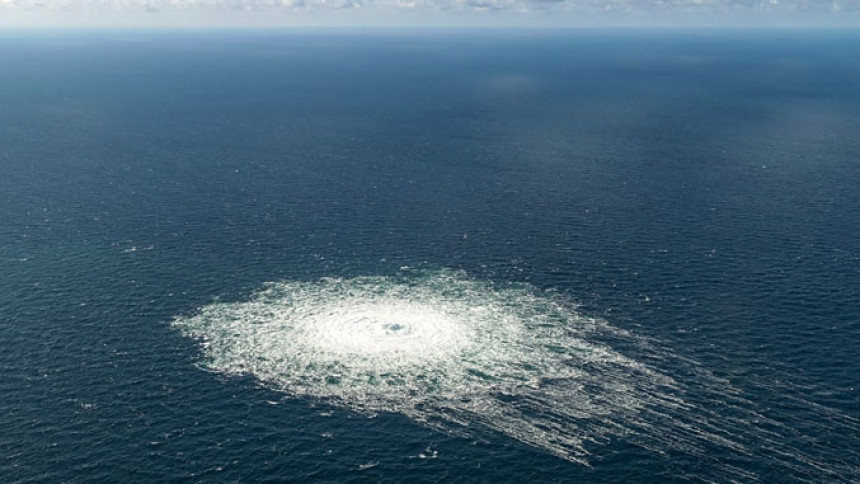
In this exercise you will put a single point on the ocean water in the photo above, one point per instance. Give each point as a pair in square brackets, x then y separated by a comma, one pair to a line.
[432, 256]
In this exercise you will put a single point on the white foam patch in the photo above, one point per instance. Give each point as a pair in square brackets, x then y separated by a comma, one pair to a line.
[458, 354]
[441, 348]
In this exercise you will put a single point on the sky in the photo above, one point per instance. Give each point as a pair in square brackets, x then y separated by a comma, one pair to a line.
[442, 13]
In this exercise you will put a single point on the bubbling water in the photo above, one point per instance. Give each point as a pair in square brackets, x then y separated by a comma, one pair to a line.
[438, 347]
[459, 354]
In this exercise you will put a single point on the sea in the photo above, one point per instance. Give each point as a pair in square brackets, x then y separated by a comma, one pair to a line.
[439, 255]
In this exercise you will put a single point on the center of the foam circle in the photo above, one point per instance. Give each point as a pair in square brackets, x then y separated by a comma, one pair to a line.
[379, 325]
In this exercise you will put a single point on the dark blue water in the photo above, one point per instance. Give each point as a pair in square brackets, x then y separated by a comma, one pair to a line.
[697, 189]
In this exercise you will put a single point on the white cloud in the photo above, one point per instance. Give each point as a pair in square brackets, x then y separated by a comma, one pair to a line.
[556, 12]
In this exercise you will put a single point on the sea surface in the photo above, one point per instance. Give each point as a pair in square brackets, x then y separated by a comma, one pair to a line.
[430, 256]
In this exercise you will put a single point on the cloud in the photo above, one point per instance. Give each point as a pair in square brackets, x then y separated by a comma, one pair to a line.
[638, 5]
[795, 12]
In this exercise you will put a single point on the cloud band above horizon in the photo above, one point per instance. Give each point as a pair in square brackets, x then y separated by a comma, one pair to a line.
[430, 12]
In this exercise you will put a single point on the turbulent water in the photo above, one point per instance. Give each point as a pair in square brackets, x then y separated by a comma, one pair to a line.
[455, 353]
[429, 256]
[439, 348]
